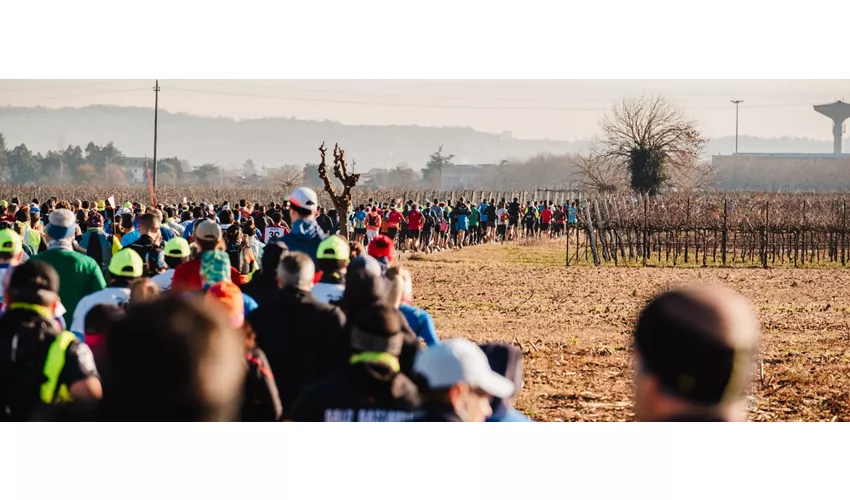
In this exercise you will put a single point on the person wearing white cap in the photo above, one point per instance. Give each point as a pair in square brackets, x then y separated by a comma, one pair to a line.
[305, 233]
[459, 382]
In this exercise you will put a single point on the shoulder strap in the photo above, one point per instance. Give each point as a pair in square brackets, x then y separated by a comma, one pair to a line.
[53, 367]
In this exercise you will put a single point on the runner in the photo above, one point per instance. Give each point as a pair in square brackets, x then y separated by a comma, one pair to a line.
[429, 228]
[474, 226]
[187, 276]
[370, 388]
[513, 218]
[97, 244]
[333, 255]
[572, 220]
[545, 222]
[360, 224]
[302, 337]
[241, 256]
[176, 252]
[415, 221]
[125, 266]
[373, 225]
[695, 349]
[79, 275]
[305, 234]
[506, 360]
[276, 230]
[263, 286]
[503, 219]
[393, 219]
[484, 217]
[460, 383]
[39, 363]
[560, 218]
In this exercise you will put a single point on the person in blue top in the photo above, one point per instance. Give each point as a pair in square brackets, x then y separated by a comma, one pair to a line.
[461, 213]
[506, 360]
[305, 234]
[400, 295]
[571, 218]
[359, 223]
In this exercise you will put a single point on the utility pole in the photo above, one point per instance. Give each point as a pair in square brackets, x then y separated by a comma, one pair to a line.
[736, 103]
[155, 116]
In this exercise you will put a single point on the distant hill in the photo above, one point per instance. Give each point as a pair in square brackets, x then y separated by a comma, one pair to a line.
[271, 142]
[277, 141]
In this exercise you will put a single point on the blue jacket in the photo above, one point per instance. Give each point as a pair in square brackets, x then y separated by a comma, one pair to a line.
[305, 236]
[421, 324]
[502, 413]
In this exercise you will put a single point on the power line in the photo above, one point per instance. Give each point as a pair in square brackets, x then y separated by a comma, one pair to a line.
[439, 106]
[88, 94]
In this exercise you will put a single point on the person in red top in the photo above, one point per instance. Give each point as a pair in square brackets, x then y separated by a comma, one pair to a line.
[394, 218]
[187, 276]
[415, 220]
[373, 224]
[545, 220]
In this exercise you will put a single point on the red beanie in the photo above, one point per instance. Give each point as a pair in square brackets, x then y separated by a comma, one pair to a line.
[382, 246]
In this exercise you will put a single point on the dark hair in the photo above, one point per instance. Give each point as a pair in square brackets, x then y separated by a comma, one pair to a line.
[196, 351]
[272, 254]
[101, 318]
[226, 217]
[33, 282]
[276, 217]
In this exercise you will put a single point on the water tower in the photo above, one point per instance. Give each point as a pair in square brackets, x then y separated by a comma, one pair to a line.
[838, 112]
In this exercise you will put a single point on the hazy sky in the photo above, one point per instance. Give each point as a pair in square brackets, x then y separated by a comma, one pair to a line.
[555, 109]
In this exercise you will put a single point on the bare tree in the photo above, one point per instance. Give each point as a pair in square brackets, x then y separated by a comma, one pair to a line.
[651, 138]
[287, 176]
[689, 173]
[342, 202]
[600, 173]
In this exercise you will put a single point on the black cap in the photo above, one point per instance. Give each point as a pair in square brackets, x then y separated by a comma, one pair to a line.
[377, 329]
[681, 341]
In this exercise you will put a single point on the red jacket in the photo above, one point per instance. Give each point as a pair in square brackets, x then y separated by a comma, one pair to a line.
[187, 277]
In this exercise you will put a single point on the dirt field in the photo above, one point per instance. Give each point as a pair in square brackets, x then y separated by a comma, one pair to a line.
[574, 326]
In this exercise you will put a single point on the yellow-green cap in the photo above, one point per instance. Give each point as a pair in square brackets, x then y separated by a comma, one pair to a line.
[126, 263]
[177, 247]
[4, 203]
[10, 242]
[101, 205]
[334, 248]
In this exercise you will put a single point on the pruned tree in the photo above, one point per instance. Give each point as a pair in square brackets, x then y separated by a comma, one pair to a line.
[342, 202]
[689, 173]
[600, 173]
[650, 137]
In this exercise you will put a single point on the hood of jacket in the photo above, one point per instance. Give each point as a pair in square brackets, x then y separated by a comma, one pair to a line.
[306, 230]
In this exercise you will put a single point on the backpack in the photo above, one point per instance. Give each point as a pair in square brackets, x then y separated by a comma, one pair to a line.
[236, 252]
[21, 380]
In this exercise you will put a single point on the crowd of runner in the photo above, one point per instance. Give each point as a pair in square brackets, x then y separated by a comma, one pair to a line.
[256, 312]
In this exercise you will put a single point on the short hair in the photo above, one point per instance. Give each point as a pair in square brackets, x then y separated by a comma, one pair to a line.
[101, 318]
[297, 270]
[202, 372]
[149, 222]
[226, 217]
[272, 254]
[276, 217]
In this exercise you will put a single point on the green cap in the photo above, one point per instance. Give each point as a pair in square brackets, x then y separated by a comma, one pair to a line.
[177, 247]
[4, 203]
[127, 204]
[333, 248]
[10, 242]
[126, 263]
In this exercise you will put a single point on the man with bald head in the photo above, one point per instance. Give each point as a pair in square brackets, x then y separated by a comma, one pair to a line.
[695, 349]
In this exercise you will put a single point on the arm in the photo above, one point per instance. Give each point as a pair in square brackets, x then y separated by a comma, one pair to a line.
[427, 331]
[80, 373]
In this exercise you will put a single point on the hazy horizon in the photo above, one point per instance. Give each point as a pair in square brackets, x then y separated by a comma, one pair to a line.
[530, 109]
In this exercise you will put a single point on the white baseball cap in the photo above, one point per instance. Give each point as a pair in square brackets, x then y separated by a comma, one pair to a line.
[305, 198]
[459, 360]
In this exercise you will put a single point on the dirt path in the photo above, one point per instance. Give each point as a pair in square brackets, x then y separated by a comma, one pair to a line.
[574, 326]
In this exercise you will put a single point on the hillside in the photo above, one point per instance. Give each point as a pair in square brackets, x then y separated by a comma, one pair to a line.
[270, 141]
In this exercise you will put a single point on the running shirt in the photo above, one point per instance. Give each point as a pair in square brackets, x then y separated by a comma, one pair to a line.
[502, 215]
[572, 216]
[360, 220]
[546, 216]
[474, 216]
[482, 210]
[164, 279]
[117, 296]
[394, 219]
[373, 221]
[513, 210]
[415, 220]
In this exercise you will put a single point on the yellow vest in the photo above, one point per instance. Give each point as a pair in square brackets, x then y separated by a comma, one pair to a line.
[51, 390]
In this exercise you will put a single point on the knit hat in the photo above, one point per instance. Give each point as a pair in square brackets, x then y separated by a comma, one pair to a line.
[94, 220]
[215, 267]
[229, 296]
[377, 329]
[381, 246]
[61, 224]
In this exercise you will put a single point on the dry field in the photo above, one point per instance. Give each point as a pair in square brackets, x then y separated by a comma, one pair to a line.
[574, 326]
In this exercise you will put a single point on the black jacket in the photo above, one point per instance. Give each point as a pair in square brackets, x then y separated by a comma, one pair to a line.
[262, 288]
[437, 412]
[302, 338]
[361, 392]
[261, 402]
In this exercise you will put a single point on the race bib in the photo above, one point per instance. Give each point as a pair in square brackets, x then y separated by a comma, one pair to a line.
[273, 233]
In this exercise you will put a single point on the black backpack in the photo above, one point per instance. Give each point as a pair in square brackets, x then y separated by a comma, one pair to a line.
[26, 337]
[237, 257]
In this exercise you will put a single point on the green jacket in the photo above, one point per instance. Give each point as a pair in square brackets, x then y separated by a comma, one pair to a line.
[79, 275]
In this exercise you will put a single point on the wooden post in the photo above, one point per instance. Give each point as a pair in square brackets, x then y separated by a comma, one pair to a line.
[724, 234]
[645, 229]
[687, 226]
[601, 231]
[590, 235]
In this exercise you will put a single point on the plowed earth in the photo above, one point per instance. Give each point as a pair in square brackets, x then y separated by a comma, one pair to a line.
[574, 326]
